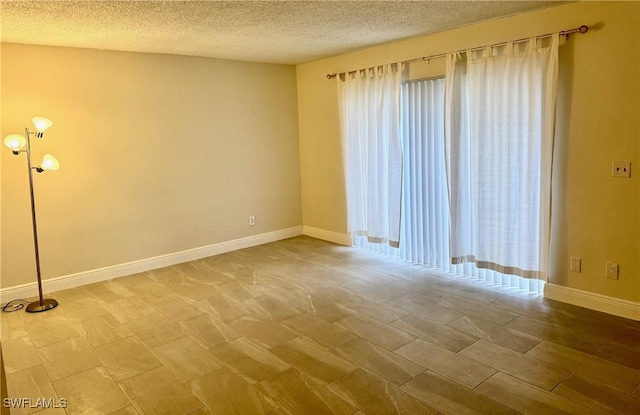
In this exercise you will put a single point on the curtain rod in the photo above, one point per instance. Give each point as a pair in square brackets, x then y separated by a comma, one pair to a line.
[566, 33]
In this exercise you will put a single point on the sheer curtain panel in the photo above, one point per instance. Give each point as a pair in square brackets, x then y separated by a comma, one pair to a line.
[424, 235]
[370, 126]
[499, 128]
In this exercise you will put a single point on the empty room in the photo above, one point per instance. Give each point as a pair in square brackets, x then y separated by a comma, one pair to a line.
[320, 207]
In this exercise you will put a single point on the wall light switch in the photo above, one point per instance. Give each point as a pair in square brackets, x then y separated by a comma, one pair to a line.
[621, 169]
[576, 264]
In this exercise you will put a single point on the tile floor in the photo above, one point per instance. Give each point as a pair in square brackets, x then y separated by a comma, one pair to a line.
[302, 326]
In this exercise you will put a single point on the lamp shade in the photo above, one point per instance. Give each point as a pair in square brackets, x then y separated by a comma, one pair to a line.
[41, 123]
[49, 163]
[15, 142]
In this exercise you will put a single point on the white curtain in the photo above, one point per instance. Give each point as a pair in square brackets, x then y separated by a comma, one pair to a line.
[499, 127]
[425, 214]
[370, 122]
[424, 236]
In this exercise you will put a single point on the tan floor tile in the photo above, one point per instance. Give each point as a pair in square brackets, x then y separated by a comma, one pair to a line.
[401, 287]
[168, 277]
[598, 396]
[376, 332]
[101, 330]
[148, 290]
[436, 333]
[426, 308]
[276, 310]
[159, 392]
[19, 354]
[519, 365]
[12, 327]
[33, 384]
[252, 362]
[295, 394]
[267, 333]
[51, 330]
[108, 291]
[595, 368]
[56, 408]
[426, 293]
[372, 396]
[172, 308]
[222, 308]
[310, 359]
[325, 308]
[83, 309]
[140, 279]
[384, 364]
[528, 399]
[70, 294]
[382, 292]
[308, 285]
[484, 311]
[452, 398]
[186, 359]
[194, 291]
[378, 310]
[254, 310]
[126, 358]
[624, 354]
[153, 330]
[366, 273]
[553, 333]
[206, 276]
[208, 331]
[225, 392]
[522, 303]
[235, 290]
[201, 411]
[92, 392]
[67, 358]
[319, 330]
[33, 317]
[459, 286]
[495, 333]
[130, 308]
[129, 410]
[454, 366]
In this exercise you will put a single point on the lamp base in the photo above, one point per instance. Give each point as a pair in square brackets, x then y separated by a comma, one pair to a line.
[47, 304]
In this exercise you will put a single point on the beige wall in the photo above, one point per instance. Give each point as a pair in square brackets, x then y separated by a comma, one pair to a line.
[595, 216]
[159, 154]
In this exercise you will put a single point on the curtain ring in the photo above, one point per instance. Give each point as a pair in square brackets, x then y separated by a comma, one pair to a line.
[509, 48]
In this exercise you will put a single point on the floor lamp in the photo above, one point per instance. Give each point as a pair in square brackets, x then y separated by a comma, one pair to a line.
[22, 144]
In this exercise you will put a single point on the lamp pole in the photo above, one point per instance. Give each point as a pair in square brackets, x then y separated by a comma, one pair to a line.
[17, 143]
[43, 304]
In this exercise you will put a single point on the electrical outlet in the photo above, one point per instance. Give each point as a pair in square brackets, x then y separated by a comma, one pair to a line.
[621, 169]
[613, 270]
[252, 220]
[576, 264]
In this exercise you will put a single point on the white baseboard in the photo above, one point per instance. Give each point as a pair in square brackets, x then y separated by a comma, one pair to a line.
[121, 270]
[335, 237]
[599, 302]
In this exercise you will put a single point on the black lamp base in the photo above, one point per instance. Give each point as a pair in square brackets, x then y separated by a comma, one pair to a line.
[47, 304]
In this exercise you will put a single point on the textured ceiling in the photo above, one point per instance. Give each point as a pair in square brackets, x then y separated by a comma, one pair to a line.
[287, 32]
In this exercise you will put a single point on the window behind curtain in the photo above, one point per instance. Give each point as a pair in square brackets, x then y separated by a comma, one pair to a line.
[424, 235]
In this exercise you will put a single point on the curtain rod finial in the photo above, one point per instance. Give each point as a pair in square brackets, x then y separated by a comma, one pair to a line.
[583, 29]
[331, 75]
